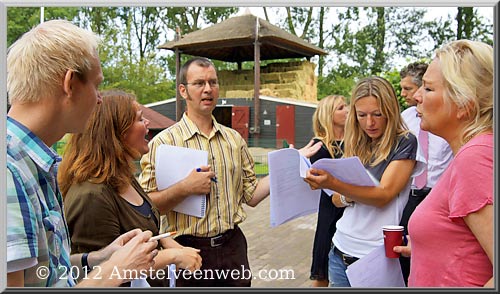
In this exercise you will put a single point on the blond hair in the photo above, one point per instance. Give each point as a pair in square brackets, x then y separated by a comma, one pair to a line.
[38, 61]
[467, 69]
[357, 142]
[99, 154]
[323, 122]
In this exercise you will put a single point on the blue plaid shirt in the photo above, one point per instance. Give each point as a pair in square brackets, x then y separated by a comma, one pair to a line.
[37, 234]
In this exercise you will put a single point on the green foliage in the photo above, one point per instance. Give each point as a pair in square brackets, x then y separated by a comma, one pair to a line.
[129, 52]
[213, 15]
[469, 25]
[394, 78]
[335, 85]
[144, 78]
[189, 19]
[361, 41]
[16, 28]
[22, 19]
[60, 146]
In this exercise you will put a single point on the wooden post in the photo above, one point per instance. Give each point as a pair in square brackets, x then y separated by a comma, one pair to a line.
[256, 87]
[178, 99]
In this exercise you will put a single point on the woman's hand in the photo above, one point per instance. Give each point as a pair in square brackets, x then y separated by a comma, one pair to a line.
[136, 254]
[96, 257]
[310, 149]
[404, 250]
[319, 179]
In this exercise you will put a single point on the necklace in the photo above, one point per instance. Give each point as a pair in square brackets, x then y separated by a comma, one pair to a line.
[338, 150]
[466, 140]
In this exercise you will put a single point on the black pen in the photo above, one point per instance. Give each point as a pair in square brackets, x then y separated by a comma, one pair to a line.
[214, 179]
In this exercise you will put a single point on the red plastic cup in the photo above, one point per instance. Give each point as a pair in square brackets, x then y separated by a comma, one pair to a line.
[393, 236]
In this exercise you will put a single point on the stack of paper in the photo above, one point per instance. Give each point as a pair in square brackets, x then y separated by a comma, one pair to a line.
[174, 164]
[291, 196]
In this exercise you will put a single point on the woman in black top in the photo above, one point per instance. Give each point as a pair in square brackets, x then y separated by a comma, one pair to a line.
[328, 124]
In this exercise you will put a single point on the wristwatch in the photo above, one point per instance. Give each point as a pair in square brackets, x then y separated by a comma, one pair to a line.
[85, 262]
[344, 202]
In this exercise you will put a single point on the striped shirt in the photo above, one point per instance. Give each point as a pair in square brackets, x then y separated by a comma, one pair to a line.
[233, 165]
[37, 235]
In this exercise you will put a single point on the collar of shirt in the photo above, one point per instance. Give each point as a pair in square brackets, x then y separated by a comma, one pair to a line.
[37, 150]
[192, 129]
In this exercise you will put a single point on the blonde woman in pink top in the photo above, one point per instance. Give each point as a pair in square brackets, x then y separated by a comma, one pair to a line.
[451, 231]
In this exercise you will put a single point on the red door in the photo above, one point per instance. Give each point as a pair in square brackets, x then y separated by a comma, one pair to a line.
[240, 119]
[285, 125]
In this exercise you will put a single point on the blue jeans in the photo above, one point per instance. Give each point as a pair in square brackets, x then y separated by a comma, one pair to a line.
[336, 270]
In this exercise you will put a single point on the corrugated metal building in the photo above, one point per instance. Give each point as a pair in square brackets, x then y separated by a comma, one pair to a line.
[282, 119]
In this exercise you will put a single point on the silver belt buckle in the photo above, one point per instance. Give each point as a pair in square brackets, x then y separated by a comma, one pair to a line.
[214, 239]
[344, 260]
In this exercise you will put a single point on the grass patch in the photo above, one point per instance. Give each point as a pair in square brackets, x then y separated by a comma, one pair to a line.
[261, 169]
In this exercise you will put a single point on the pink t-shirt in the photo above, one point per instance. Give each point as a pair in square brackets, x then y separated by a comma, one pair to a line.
[444, 252]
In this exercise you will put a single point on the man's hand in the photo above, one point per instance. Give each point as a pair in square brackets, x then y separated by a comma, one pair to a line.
[199, 182]
[187, 258]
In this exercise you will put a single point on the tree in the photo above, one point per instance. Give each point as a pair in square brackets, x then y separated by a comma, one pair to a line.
[321, 35]
[99, 19]
[379, 44]
[300, 16]
[190, 19]
[22, 19]
[361, 41]
[467, 24]
[16, 28]
[367, 41]
[470, 25]
[464, 22]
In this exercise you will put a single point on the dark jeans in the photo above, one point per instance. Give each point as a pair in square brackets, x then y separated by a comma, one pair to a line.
[224, 261]
[413, 201]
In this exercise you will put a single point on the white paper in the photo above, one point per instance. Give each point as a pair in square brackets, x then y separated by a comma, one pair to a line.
[173, 164]
[139, 283]
[375, 270]
[349, 170]
[291, 197]
[171, 274]
[305, 164]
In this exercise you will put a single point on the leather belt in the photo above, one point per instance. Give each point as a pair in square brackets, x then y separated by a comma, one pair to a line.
[214, 241]
[421, 192]
[346, 258]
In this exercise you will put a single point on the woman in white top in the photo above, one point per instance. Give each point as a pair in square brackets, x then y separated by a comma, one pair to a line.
[376, 134]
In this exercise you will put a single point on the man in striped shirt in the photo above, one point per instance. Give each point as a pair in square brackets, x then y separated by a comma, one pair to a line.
[222, 244]
[228, 182]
